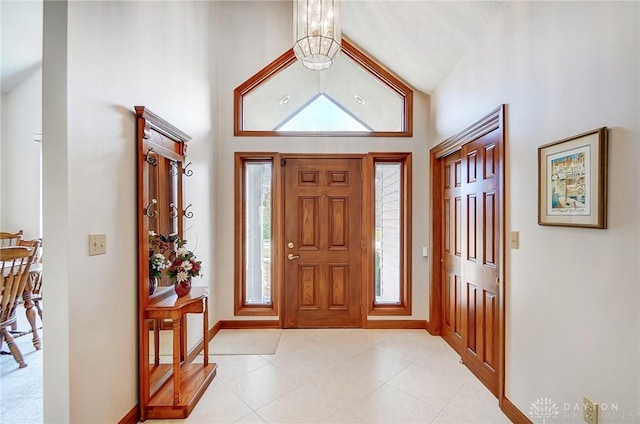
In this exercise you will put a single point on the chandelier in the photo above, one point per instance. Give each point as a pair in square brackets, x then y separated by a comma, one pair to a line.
[316, 32]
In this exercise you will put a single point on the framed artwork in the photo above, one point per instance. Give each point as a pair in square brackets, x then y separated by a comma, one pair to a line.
[572, 181]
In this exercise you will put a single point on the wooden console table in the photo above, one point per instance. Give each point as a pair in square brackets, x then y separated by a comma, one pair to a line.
[177, 387]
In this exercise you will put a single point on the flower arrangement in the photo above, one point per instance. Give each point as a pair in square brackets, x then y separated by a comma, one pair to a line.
[184, 265]
[180, 264]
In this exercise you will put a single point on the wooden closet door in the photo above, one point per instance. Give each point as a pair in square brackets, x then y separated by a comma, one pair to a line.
[480, 258]
[452, 249]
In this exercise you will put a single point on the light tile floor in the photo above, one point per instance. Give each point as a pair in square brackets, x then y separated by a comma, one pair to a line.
[317, 376]
[347, 376]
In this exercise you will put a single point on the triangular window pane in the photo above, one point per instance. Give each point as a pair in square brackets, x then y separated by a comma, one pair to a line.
[322, 114]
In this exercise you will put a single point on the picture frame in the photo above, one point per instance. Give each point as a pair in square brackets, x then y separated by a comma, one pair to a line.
[572, 181]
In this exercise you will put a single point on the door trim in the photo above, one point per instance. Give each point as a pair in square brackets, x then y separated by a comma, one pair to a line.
[493, 121]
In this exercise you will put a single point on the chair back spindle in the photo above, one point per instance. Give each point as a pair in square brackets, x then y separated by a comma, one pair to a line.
[32, 293]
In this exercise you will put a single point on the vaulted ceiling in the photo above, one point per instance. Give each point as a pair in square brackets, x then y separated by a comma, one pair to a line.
[21, 24]
[421, 41]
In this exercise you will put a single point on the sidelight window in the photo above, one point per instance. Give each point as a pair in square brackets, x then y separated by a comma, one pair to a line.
[391, 282]
[257, 237]
[254, 273]
[388, 184]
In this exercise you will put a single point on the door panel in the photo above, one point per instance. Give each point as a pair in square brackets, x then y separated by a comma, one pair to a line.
[322, 207]
[308, 287]
[309, 211]
[339, 286]
[338, 223]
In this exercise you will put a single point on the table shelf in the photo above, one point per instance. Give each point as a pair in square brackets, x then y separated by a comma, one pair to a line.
[174, 389]
[195, 378]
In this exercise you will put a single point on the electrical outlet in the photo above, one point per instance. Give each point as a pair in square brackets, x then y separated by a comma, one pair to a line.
[97, 244]
[589, 410]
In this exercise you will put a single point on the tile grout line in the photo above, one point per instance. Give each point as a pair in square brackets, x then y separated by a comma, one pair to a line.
[452, 397]
[262, 406]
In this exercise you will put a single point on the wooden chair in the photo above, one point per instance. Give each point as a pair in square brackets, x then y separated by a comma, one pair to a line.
[10, 239]
[32, 294]
[16, 262]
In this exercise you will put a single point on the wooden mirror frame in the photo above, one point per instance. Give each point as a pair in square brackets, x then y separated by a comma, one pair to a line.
[160, 147]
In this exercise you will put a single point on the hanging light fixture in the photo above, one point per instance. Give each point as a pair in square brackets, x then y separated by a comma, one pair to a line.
[316, 32]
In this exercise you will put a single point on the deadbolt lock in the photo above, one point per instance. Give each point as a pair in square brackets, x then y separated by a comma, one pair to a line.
[290, 245]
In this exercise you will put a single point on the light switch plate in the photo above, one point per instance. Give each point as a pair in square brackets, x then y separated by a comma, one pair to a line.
[97, 244]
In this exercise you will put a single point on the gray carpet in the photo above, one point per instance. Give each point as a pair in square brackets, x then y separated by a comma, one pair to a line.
[21, 388]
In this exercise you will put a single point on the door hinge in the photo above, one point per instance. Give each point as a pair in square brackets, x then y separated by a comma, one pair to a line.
[283, 162]
[498, 281]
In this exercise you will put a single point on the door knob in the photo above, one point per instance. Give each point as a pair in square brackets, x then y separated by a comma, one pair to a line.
[291, 256]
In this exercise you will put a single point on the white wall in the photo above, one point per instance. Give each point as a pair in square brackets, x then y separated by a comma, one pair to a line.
[255, 34]
[572, 294]
[20, 157]
[119, 54]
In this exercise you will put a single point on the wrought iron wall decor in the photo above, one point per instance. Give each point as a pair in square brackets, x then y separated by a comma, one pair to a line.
[151, 213]
[187, 214]
[151, 160]
[187, 172]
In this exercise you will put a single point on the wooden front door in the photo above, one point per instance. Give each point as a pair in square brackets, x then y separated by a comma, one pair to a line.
[322, 237]
[468, 228]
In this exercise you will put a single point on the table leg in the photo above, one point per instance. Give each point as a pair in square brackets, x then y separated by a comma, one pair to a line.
[205, 336]
[156, 341]
[176, 361]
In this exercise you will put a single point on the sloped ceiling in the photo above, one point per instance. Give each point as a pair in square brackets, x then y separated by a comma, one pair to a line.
[420, 41]
[21, 24]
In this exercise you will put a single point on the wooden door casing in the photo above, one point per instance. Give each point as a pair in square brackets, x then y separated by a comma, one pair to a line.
[322, 220]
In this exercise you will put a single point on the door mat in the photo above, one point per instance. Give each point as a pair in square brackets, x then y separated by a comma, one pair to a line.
[245, 342]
